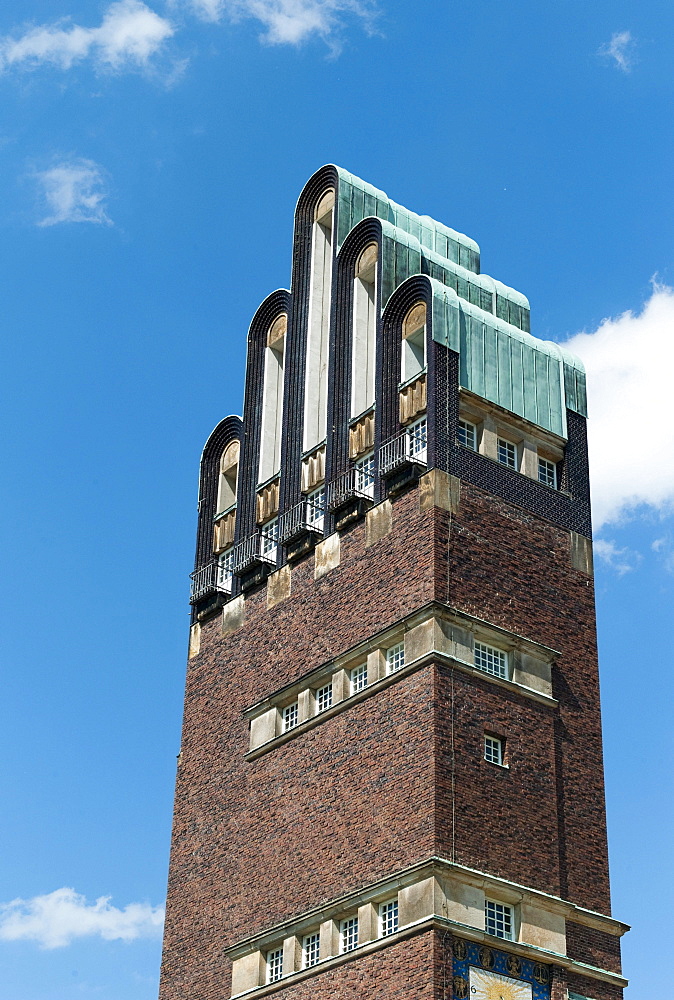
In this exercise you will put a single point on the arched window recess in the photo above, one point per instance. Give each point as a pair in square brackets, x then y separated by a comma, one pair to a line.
[364, 331]
[225, 518]
[271, 426]
[318, 327]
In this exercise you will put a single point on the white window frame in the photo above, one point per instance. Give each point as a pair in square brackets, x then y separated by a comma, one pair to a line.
[316, 508]
[395, 658]
[290, 717]
[547, 472]
[324, 698]
[311, 950]
[274, 963]
[225, 570]
[388, 917]
[501, 918]
[358, 678]
[348, 935]
[492, 660]
[417, 440]
[493, 750]
[365, 471]
[269, 539]
[467, 434]
[510, 450]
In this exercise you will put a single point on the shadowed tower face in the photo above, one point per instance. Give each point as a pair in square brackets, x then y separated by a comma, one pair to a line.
[390, 781]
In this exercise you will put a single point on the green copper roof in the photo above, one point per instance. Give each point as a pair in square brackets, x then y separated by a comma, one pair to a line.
[485, 321]
[358, 200]
[535, 379]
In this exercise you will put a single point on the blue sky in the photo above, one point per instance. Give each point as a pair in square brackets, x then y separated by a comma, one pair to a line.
[150, 159]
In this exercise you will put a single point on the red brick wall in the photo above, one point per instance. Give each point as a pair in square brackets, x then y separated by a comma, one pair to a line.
[513, 569]
[355, 799]
[593, 947]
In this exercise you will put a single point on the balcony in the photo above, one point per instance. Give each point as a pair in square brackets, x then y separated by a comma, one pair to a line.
[259, 549]
[402, 459]
[349, 495]
[306, 516]
[211, 579]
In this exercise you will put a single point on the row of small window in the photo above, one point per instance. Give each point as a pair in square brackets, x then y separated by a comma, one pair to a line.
[395, 659]
[498, 921]
[348, 940]
[507, 453]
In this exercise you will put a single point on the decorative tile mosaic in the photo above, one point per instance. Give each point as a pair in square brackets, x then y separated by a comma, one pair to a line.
[468, 954]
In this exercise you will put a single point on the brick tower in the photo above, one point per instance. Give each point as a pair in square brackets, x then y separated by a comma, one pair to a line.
[391, 782]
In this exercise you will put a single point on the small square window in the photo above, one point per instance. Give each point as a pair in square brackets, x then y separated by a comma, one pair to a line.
[467, 435]
[324, 698]
[388, 917]
[348, 935]
[358, 678]
[395, 658]
[290, 716]
[493, 661]
[493, 749]
[547, 473]
[311, 950]
[498, 919]
[274, 965]
[507, 453]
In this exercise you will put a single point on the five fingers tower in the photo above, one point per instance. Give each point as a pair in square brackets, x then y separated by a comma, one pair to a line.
[390, 782]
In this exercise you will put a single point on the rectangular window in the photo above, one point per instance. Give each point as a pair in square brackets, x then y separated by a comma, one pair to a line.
[290, 716]
[274, 965]
[417, 440]
[467, 435]
[507, 453]
[348, 935]
[324, 698]
[498, 919]
[388, 917]
[395, 658]
[225, 577]
[311, 950]
[316, 509]
[358, 678]
[547, 473]
[269, 540]
[493, 749]
[365, 475]
[491, 660]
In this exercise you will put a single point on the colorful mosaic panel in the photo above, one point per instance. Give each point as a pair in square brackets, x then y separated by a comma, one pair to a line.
[507, 974]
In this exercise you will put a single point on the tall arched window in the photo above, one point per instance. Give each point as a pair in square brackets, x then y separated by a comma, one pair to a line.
[413, 358]
[272, 400]
[318, 332]
[229, 471]
[364, 331]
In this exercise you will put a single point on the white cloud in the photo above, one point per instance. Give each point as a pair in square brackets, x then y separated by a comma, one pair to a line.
[620, 49]
[621, 560]
[129, 35]
[74, 190]
[630, 367]
[287, 21]
[56, 919]
[665, 549]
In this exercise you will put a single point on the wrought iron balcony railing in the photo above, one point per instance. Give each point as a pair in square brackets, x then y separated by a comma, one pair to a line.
[258, 549]
[305, 517]
[409, 447]
[212, 578]
[354, 484]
